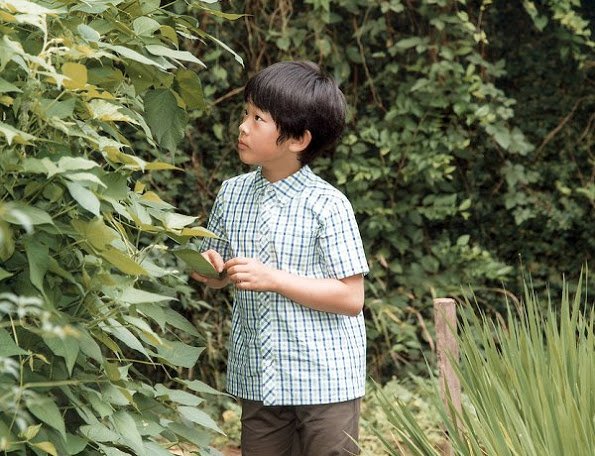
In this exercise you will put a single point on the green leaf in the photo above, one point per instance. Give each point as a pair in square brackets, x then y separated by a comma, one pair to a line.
[96, 232]
[99, 433]
[85, 177]
[190, 88]
[200, 387]
[165, 118]
[67, 348]
[58, 109]
[76, 75]
[46, 410]
[76, 164]
[84, 197]
[88, 33]
[132, 55]
[177, 221]
[179, 353]
[145, 26]
[126, 427]
[8, 346]
[236, 56]
[122, 333]
[198, 437]
[13, 135]
[408, 43]
[6, 87]
[108, 112]
[38, 259]
[46, 446]
[89, 346]
[197, 263]
[178, 321]
[74, 444]
[199, 417]
[162, 51]
[178, 396]
[19, 214]
[228, 16]
[123, 262]
[31, 431]
[136, 296]
[111, 451]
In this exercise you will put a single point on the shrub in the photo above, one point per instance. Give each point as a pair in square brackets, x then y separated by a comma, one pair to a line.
[93, 96]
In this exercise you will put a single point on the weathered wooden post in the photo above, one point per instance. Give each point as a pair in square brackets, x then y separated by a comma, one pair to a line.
[447, 352]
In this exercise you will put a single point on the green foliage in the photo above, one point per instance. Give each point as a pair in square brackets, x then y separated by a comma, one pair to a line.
[377, 430]
[467, 153]
[468, 147]
[94, 357]
[528, 382]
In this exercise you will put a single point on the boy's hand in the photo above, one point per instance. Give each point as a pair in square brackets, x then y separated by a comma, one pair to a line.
[216, 260]
[250, 274]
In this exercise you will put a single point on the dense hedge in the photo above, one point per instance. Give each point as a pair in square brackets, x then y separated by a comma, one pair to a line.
[94, 359]
[468, 151]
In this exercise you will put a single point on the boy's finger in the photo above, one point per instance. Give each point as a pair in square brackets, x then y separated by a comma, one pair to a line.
[199, 278]
[215, 259]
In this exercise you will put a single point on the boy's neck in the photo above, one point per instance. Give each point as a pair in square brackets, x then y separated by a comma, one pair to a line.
[276, 174]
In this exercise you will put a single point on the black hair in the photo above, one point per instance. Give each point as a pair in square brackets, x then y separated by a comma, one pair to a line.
[299, 97]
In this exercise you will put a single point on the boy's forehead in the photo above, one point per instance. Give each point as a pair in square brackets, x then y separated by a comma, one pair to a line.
[250, 105]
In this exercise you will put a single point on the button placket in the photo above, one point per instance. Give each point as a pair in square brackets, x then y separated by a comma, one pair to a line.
[266, 255]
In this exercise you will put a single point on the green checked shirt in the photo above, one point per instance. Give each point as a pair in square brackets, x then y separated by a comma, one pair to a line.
[283, 353]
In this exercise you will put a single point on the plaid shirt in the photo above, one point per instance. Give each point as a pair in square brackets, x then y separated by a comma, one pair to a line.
[283, 353]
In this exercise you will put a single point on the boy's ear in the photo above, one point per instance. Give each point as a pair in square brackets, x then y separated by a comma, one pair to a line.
[300, 144]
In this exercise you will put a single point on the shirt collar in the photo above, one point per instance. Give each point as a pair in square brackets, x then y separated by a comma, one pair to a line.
[287, 188]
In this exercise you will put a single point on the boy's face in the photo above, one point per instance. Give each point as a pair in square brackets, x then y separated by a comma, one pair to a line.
[257, 143]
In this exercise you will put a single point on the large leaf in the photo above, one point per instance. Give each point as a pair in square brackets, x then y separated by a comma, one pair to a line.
[166, 119]
[162, 51]
[126, 426]
[96, 232]
[45, 409]
[85, 197]
[190, 89]
[12, 134]
[39, 261]
[67, 348]
[199, 417]
[76, 74]
[136, 296]
[132, 55]
[179, 353]
[123, 334]
[123, 262]
[6, 86]
[8, 346]
[197, 263]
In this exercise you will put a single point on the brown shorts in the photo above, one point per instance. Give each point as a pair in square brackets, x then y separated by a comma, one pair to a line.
[300, 430]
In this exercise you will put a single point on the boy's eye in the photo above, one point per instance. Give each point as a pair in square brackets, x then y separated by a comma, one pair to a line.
[257, 117]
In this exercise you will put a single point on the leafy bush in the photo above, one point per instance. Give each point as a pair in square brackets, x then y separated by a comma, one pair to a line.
[528, 382]
[94, 358]
[467, 152]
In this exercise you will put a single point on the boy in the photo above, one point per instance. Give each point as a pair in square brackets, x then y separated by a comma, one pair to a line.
[291, 247]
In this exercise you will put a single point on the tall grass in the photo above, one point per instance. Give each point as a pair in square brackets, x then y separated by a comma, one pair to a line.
[528, 382]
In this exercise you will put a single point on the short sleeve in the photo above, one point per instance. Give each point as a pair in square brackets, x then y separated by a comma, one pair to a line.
[341, 245]
[217, 226]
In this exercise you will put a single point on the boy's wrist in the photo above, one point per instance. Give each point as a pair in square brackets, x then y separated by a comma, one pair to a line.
[277, 277]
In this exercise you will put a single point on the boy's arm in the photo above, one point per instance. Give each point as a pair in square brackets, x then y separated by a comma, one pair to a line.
[341, 296]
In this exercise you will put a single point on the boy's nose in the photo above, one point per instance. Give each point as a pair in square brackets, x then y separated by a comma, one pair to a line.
[242, 129]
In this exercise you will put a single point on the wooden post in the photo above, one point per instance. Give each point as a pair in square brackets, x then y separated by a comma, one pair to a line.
[447, 351]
